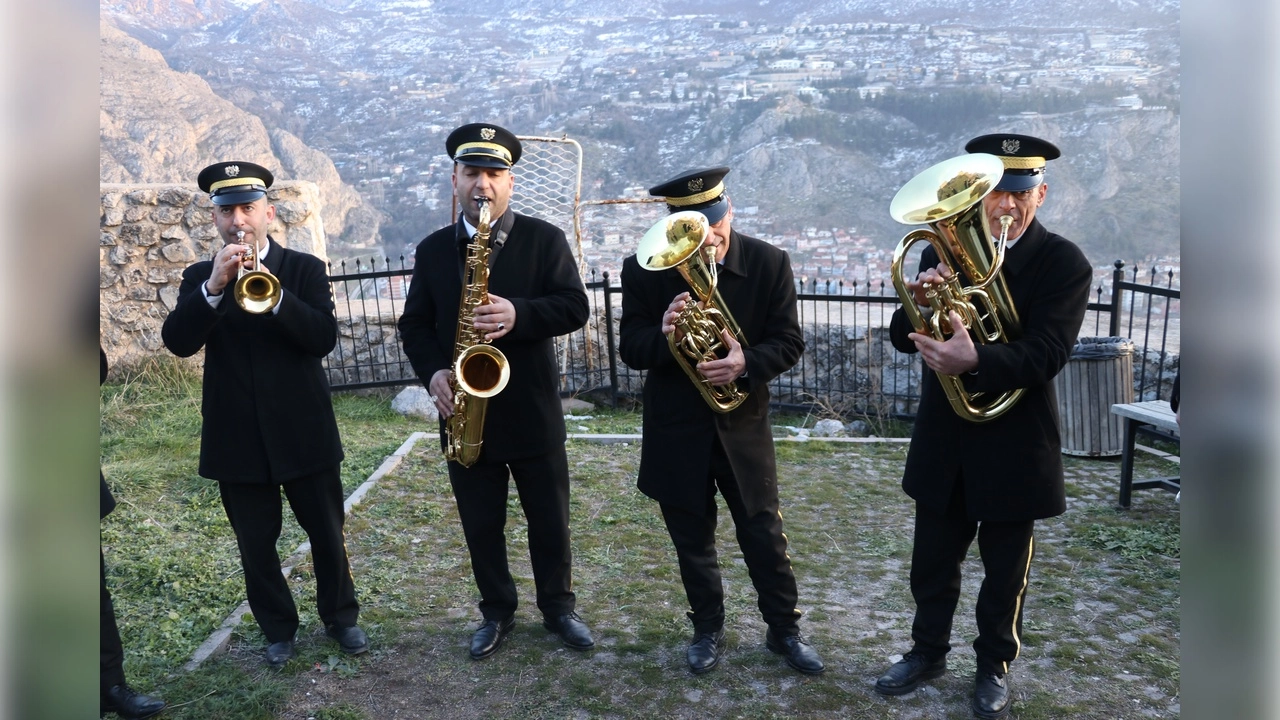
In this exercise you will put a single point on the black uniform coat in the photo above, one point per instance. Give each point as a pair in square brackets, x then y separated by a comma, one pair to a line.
[268, 417]
[1012, 466]
[536, 272]
[757, 285]
[106, 501]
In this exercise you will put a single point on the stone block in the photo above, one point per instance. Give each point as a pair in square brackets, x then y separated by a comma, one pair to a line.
[574, 406]
[142, 234]
[178, 196]
[111, 294]
[120, 255]
[168, 215]
[169, 297]
[143, 196]
[828, 428]
[292, 213]
[141, 291]
[174, 233]
[107, 276]
[137, 213]
[206, 232]
[112, 216]
[106, 239]
[178, 253]
[414, 401]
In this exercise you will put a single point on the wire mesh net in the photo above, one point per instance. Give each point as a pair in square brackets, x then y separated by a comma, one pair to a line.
[549, 183]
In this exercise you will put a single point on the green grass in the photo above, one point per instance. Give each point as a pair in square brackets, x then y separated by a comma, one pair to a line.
[1104, 600]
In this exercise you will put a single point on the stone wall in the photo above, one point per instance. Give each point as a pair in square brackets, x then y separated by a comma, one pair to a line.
[150, 233]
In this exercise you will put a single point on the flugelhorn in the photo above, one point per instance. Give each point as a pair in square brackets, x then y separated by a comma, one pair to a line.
[679, 241]
[948, 198]
[256, 291]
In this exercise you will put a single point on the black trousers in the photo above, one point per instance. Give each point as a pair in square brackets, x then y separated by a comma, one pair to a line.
[256, 512]
[112, 665]
[941, 542]
[543, 485]
[764, 548]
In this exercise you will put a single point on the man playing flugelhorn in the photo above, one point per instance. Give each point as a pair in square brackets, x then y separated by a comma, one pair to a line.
[690, 450]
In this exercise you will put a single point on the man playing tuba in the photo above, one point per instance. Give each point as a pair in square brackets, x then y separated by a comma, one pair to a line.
[990, 479]
[690, 450]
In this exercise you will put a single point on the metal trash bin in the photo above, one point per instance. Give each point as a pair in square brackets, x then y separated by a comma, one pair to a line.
[1098, 375]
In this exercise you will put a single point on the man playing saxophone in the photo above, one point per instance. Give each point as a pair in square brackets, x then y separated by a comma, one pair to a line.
[533, 295]
[989, 479]
[691, 449]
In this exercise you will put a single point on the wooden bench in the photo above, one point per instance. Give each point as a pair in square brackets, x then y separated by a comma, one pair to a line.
[1147, 418]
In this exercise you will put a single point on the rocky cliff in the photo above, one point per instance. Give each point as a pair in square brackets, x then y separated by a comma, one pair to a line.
[161, 126]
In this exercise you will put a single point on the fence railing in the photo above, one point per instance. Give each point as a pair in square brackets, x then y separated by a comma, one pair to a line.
[848, 365]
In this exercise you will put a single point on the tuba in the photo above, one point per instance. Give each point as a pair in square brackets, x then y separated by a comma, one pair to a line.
[256, 291]
[948, 197]
[679, 241]
[480, 370]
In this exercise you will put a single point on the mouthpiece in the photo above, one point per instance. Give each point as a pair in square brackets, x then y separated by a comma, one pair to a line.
[239, 236]
[1005, 222]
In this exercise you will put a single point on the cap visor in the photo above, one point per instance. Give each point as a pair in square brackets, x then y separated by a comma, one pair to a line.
[715, 213]
[1017, 183]
[237, 198]
[481, 161]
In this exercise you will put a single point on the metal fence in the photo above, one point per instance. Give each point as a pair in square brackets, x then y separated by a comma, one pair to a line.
[847, 367]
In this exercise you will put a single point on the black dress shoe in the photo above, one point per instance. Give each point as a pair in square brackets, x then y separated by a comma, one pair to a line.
[705, 651]
[798, 652]
[278, 653]
[903, 676]
[572, 631]
[488, 638]
[991, 695]
[351, 638]
[123, 701]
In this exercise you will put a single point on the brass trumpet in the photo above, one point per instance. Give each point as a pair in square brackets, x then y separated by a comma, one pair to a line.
[256, 291]
[679, 241]
[948, 198]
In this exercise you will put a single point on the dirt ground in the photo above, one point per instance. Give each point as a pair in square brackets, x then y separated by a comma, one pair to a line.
[1101, 633]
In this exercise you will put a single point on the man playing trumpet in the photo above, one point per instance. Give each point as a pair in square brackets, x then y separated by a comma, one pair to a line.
[268, 425]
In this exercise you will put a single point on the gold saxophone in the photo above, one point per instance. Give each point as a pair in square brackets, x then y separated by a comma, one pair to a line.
[948, 197]
[679, 241]
[480, 370]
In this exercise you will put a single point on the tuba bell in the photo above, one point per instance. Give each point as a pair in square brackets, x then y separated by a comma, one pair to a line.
[948, 198]
[679, 241]
[256, 291]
